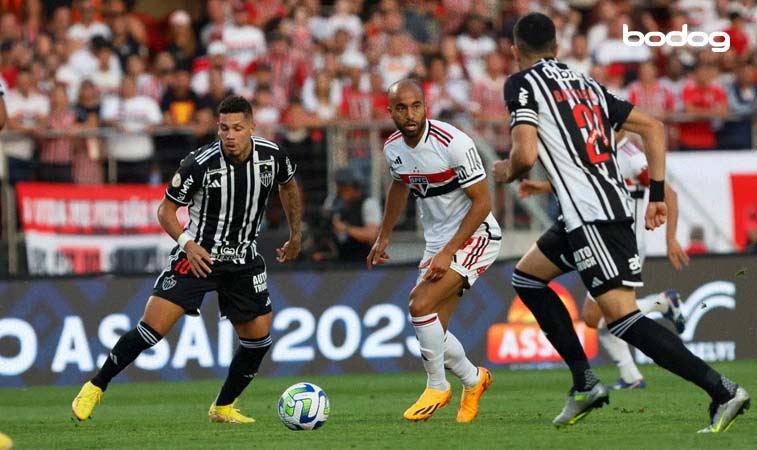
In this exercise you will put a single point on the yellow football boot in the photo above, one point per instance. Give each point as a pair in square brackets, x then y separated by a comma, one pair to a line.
[429, 402]
[227, 414]
[89, 396]
[471, 397]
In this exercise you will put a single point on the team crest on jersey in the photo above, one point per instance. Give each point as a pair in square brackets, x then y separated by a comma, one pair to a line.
[176, 180]
[168, 283]
[266, 175]
[420, 183]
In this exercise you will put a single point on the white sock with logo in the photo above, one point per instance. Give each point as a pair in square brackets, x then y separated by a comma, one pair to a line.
[430, 335]
[456, 361]
[654, 302]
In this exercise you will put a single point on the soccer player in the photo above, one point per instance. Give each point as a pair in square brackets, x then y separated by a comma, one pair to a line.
[226, 185]
[440, 166]
[634, 169]
[564, 118]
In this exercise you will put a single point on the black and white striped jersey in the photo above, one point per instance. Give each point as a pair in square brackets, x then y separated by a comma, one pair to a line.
[574, 116]
[227, 201]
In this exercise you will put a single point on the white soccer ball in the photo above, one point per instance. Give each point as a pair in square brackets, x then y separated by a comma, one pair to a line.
[303, 406]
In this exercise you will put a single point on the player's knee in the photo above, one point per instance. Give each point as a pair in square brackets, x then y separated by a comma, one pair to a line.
[591, 314]
[418, 305]
[527, 286]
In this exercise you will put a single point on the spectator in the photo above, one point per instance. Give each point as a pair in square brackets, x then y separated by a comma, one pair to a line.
[27, 110]
[179, 102]
[87, 159]
[123, 43]
[674, 79]
[88, 27]
[207, 106]
[649, 94]
[451, 54]
[298, 29]
[265, 14]
[267, 115]
[697, 244]
[133, 118]
[613, 50]
[751, 233]
[323, 96]
[354, 217]
[578, 59]
[245, 42]
[56, 152]
[396, 63]
[445, 98]
[162, 68]
[232, 79]
[474, 45]
[345, 18]
[422, 23]
[182, 43]
[736, 133]
[703, 101]
[107, 77]
[216, 15]
[60, 23]
[287, 68]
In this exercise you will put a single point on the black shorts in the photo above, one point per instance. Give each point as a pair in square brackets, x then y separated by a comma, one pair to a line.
[604, 254]
[242, 288]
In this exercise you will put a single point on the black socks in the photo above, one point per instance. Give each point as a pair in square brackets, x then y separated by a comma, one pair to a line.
[125, 351]
[243, 368]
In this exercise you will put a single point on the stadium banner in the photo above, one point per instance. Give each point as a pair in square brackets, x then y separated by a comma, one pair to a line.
[59, 330]
[717, 190]
[75, 229]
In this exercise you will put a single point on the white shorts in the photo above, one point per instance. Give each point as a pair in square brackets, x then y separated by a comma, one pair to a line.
[471, 260]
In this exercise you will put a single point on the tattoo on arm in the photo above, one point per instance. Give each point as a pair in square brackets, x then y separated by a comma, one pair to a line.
[292, 203]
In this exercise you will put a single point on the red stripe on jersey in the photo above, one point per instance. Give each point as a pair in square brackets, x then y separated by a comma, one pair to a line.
[480, 253]
[444, 132]
[430, 177]
[393, 138]
[439, 138]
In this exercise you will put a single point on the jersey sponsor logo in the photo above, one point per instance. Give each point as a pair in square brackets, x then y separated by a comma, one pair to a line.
[259, 283]
[561, 74]
[227, 253]
[176, 180]
[584, 258]
[419, 182]
[634, 264]
[185, 188]
[168, 283]
[266, 175]
[523, 97]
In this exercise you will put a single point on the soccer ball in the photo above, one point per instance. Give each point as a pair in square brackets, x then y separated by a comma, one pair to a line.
[303, 406]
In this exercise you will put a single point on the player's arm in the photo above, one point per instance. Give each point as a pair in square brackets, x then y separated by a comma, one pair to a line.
[524, 119]
[676, 254]
[527, 188]
[291, 201]
[396, 199]
[198, 257]
[481, 206]
[652, 133]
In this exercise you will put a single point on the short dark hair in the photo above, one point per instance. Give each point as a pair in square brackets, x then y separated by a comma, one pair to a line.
[235, 104]
[534, 34]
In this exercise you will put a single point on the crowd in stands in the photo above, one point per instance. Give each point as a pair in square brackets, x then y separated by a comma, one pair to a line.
[72, 69]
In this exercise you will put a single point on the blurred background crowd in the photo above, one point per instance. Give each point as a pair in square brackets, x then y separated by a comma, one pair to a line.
[94, 88]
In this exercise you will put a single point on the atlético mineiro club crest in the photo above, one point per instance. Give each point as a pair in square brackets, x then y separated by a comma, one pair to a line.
[266, 175]
[420, 183]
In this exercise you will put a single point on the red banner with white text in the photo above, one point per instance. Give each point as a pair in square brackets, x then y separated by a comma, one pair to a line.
[90, 229]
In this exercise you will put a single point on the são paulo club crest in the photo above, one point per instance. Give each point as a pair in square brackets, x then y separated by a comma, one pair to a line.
[420, 183]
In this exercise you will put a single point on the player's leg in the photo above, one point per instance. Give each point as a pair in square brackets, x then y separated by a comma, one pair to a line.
[254, 342]
[159, 316]
[427, 300]
[548, 258]
[668, 303]
[243, 299]
[176, 291]
[614, 247]
[618, 349]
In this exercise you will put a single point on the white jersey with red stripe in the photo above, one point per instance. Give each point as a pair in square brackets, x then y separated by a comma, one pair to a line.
[437, 170]
[634, 168]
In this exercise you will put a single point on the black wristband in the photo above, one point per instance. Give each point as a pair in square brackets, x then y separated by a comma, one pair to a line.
[656, 191]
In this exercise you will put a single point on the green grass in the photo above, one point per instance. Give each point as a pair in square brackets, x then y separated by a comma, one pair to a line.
[367, 414]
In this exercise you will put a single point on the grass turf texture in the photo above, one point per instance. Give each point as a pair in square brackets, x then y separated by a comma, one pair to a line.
[366, 413]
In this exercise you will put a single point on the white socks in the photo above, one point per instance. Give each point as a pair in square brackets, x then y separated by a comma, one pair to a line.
[430, 335]
[456, 361]
[620, 352]
[652, 303]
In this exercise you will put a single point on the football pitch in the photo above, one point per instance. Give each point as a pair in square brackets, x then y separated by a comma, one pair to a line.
[366, 413]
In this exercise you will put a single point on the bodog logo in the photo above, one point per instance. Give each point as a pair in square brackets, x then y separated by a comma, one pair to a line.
[520, 340]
